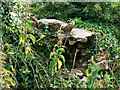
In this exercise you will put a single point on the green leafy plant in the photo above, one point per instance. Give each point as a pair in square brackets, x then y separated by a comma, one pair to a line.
[33, 61]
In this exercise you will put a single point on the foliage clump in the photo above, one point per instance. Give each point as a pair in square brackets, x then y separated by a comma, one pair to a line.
[34, 63]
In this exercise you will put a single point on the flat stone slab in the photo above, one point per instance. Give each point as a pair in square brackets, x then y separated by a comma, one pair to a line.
[76, 34]
[54, 21]
[81, 34]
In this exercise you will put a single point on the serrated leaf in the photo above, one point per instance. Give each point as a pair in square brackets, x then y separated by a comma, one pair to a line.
[32, 37]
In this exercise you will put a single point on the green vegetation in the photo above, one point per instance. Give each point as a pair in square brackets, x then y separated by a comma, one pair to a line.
[32, 61]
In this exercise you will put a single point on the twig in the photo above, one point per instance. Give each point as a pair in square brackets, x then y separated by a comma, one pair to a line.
[73, 65]
[74, 58]
[65, 41]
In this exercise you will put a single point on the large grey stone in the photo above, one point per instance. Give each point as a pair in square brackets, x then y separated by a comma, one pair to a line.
[81, 34]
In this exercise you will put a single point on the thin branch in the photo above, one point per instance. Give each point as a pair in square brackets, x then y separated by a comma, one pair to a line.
[65, 41]
[74, 58]
[73, 66]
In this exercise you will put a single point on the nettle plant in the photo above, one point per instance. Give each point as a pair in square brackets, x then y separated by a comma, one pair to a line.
[30, 65]
[26, 52]
[18, 43]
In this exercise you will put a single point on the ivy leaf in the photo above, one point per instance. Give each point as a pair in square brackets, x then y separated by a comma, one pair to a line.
[32, 37]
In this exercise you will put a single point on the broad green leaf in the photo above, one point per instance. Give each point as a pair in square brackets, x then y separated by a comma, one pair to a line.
[9, 72]
[61, 49]
[87, 72]
[56, 45]
[24, 30]
[30, 28]
[21, 40]
[12, 68]
[111, 85]
[28, 49]
[59, 64]
[30, 22]
[101, 73]
[52, 64]
[51, 54]
[63, 46]
[55, 69]
[42, 36]
[105, 76]
[32, 37]
[63, 58]
[11, 52]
